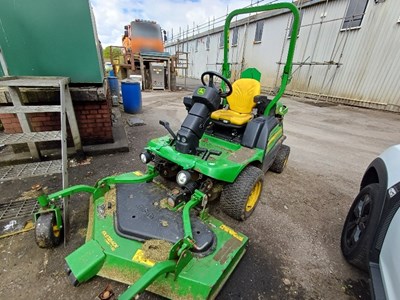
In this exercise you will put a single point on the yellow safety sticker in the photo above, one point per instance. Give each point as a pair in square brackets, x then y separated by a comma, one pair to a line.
[139, 257]
[138, 173]
[273, 138]
[276, 134]
[108, 239]
[231, 232]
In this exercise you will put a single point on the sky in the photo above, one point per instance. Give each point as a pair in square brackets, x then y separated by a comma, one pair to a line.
[112, 16]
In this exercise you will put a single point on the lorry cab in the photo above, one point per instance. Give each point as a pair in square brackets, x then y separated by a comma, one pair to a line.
[143, 36]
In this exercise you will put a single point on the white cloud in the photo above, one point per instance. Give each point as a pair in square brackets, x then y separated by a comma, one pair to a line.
[112, 16]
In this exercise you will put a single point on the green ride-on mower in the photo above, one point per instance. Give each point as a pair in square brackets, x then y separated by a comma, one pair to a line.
[164, 240]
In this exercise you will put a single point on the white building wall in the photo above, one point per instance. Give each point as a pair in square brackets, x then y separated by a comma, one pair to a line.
[265, 55]
[318, 42]
[369, 57]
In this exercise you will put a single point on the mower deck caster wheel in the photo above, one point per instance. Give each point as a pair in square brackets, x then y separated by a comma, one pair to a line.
[47, 233]
[240, 198]
[72, 279]
[281, 159]
[67, 270]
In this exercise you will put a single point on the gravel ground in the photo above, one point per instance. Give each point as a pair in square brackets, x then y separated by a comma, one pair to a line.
[294, 250]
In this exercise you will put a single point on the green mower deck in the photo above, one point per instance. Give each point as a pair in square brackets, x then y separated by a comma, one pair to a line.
[109, 255]
[187, 274]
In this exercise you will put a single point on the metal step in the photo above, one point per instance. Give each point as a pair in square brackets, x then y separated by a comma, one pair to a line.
[30, 170]
[29, 109]
[16, 216]
[18, 208]
[18, 138]
[28, 81]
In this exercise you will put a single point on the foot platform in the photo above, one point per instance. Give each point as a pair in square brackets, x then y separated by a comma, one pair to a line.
[142, 215]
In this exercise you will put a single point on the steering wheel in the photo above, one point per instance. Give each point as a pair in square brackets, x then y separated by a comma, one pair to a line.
[211, 75]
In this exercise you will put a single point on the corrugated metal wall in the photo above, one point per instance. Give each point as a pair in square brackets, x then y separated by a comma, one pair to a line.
[358, 67]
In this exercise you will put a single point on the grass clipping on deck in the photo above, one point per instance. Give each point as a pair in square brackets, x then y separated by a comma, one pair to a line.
[110, 201]
[156, 250]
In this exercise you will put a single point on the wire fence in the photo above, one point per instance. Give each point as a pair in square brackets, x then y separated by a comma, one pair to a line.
[211, 24]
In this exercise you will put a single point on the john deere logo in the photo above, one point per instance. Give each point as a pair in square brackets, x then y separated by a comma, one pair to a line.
[201, 91]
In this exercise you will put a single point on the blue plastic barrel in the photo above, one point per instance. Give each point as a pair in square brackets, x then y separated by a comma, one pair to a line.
[131, 96]
[114, 86]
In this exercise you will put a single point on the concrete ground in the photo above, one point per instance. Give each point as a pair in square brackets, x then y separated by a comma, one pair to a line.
[294, 250]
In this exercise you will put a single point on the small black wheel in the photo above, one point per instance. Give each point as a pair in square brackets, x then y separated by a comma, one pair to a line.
[47, 233]
[281, 159]
[239, 199]
[360, 226]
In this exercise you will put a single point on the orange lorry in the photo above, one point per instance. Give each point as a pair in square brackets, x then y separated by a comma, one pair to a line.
[143, 36]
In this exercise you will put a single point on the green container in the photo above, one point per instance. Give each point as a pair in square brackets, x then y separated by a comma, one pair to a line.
[51, 38]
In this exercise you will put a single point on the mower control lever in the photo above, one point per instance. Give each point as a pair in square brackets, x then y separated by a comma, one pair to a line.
[212, 152]
[165, 124]
[206, 153]
[201, 150]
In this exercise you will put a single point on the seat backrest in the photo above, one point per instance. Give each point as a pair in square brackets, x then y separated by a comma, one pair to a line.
[242, 98]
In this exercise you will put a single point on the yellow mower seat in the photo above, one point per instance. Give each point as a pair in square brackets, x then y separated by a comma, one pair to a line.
[241, 102]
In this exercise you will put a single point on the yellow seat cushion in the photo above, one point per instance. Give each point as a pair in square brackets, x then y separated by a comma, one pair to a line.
[241, 102]
[231, 116]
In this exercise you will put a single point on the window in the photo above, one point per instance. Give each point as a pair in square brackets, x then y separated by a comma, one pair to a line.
[221, 40]
[291, 25]
[196, 46]
[259, 31]
[235, 34]
[208, 43]
[146, 30]
[354, 14]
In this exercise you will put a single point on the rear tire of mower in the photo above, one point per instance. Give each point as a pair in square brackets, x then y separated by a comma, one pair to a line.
[235, 196]
[281, 159]
[47, 235]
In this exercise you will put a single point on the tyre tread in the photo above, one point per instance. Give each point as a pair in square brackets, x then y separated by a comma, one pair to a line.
[279, 163]
[359, 256]
[44, 235]
[234, 196]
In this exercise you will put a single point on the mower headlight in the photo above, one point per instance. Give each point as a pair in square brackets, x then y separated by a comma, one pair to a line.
[145, 157]
[183, 178]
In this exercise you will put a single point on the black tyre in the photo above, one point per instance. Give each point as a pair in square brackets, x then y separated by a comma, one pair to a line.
[239, 199]
[281, 159]
[47, 233]
[360, 226]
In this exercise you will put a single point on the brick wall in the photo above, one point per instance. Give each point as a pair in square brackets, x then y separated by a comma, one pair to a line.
[94, 122]
[93, 117]
[10, 123]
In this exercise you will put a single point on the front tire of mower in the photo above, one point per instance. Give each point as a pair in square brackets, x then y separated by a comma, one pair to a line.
[281, 159]
[47, 233]
[239, 199]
